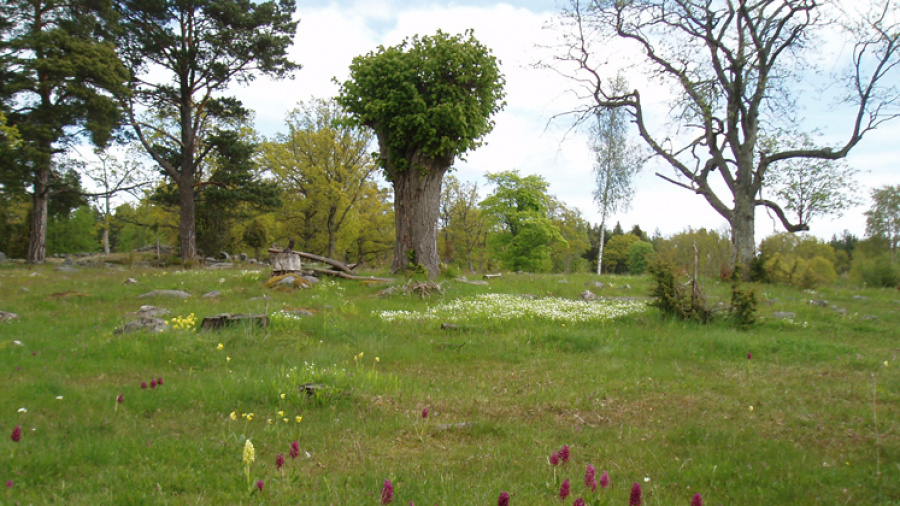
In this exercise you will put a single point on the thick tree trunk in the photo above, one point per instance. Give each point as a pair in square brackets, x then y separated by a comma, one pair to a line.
[186, 228]
[37, 239]
[417, 200]
[743, 233]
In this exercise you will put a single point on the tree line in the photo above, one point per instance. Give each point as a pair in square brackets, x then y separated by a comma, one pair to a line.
[157, 73]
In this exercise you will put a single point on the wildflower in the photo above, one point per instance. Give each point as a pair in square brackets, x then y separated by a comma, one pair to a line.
[249, 453]
[233, 415]
[249, 417]
[159, 382]
[295, 449]
[564, 489]
[279, 461]
[504, 499]
[298, 419]
[604, 480]
[9, 484]
[564, 454]
[387, 492]
[152, 383]
[590, 480]
[260, 484]
[425, 413]
[751, 408]
[697, 500]
[228, 359]
[120, 399]
[281, 414]
[377, 359]
[220, 346]
[635, 499]
[554, 459]
[143, 385]
[59, 397]
[282, 396]
[285, 420]
[749, 356]
[270, 421]
[579, 502]
[16, 434]
[23, 410]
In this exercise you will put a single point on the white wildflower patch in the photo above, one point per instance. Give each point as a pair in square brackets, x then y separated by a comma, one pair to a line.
[495, 306]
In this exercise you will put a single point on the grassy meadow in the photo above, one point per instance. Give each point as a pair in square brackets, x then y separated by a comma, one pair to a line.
[812, 418]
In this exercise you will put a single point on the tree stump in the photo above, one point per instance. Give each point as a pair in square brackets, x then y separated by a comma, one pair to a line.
[226, 319]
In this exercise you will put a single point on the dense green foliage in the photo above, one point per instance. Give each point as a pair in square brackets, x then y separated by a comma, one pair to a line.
[883, 219]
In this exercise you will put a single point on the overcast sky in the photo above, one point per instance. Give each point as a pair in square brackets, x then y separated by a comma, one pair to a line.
[331, 34]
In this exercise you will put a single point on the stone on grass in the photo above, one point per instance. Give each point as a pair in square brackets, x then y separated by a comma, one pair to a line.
[227, 319]
[784, 315]
[595, 284]
[839, 310]
[143, 323]
[4, 316]
[588, 296]
[870, 317]
[177, 294]
[243, 257]
[211, 295]
[150, 312]
[130, 281]
[859, 297]
[3, 257]
[820, 303]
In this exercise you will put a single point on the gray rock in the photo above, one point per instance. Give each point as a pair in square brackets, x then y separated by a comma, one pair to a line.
[252, 261]
[227, 319]
[312, 279]
[211, 295]
[287, 281]
[146, 324]
[299, 312]
[387, 292]
[588, 296]
[130, 281]
[595, 284]
[178, 294]
[839, 310]
[226, 256]
[209, 260]
[3, 257]
[5, 316]
[859, 297]
[150, 312]
[784, 315]
[69, 261]
[869, 317]
[820, 303]
[242, 257]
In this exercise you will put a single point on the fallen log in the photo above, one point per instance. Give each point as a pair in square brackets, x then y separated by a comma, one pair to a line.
[325, 260]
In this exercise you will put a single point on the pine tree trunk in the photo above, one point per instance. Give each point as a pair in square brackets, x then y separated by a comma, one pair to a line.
[186, 227]
[37, 239]
[417, 199]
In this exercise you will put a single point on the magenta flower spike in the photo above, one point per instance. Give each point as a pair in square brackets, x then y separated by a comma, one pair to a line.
[590, 478]
[295, 449]
[260, 484]
[143, 385]
[279, 461]
[120, 399]
[504, 499]
[564, 489]
[159, 382]
[152, 383]
[635, 499]
[16, 434]
[579, 502]
[554, 459]
[425, 413]
[9, 484]
[387, 492]
[604, 480]
[564, 454]
[749, 356]
[697, 500]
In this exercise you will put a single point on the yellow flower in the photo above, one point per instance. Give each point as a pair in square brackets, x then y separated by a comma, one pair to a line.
[282, 396]
[299, 418]
[233, 415]
[377, 359]
[269, 421]
[285, 420]
[220, 346]
[228, 359]
[243, 415]
[249, 453]
[751, 408]
[281, 414]
[249, 417]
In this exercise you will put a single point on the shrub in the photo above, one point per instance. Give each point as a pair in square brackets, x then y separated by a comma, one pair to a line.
[674, 299]
[817, 272]
[743, 301]
[877, 271]
[639, 255]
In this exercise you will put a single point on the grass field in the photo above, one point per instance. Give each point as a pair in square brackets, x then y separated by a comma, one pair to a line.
[812, 418]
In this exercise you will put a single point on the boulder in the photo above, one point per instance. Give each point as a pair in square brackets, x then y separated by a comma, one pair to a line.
[588, 296]
[242, 257]
[820, 303]
[3, 257]
[859, 297]
[211, 295]
[784, 315]
[178, 294]
[225, 256]
[6, 316]
[143, 323]
[150, 312]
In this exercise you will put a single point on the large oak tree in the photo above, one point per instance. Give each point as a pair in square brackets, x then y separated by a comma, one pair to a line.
[184, 54]
[732, 66]
[429, 100]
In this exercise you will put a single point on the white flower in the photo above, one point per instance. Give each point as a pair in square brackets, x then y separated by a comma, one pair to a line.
[23, 410]
[59, 397]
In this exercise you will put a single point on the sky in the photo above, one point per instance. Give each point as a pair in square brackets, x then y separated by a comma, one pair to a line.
[524, 138]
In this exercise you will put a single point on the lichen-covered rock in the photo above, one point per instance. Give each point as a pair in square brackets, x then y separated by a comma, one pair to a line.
[178, 294]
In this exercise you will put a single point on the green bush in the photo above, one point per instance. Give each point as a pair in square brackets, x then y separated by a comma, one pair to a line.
[639, 256]
[817, 272]
[878, 271]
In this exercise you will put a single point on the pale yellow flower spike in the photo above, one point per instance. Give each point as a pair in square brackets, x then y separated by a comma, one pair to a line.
[249, 453]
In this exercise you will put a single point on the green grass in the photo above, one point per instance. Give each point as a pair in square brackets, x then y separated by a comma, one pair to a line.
[663, 403]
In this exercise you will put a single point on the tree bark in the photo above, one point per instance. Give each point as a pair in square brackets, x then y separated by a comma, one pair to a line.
[743, 232]
[417, 199]
[186, 227]
[37, 239]
[600, 246]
